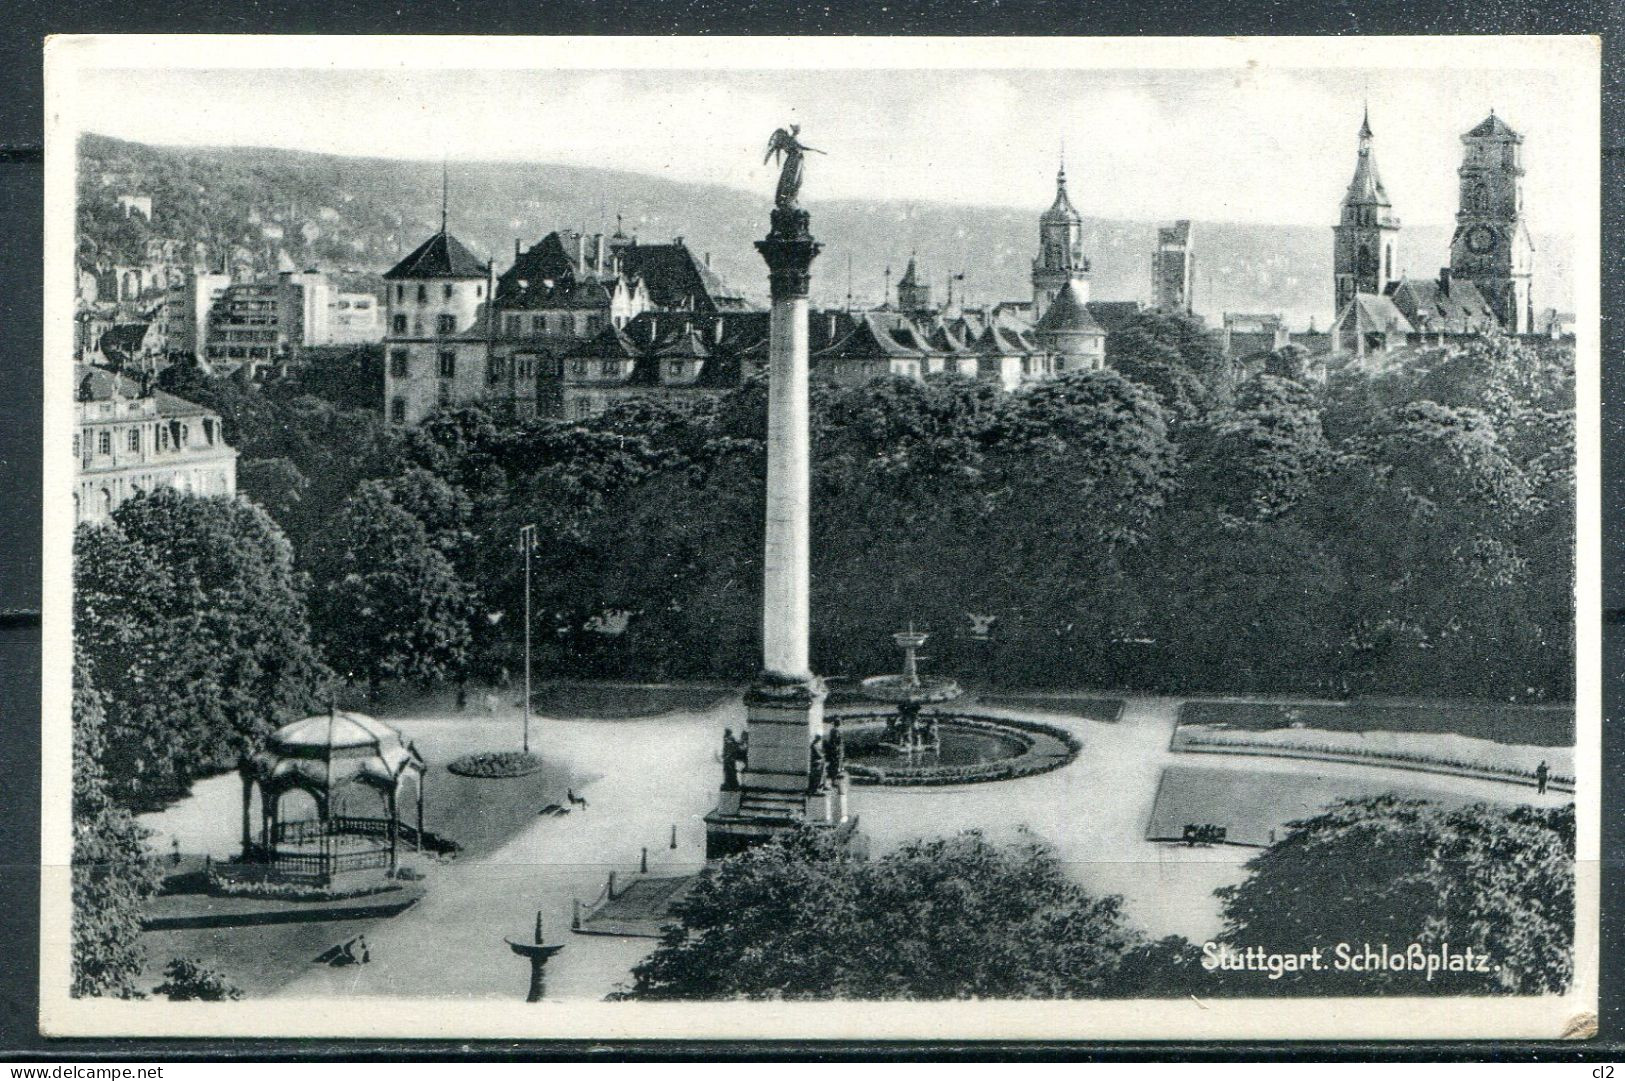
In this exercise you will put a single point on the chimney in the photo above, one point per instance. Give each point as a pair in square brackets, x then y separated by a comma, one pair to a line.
[599, 267]
[718, 330]
[708, 260]
[516, 247]
[1444, 280]
[678, 242]
[581, 251]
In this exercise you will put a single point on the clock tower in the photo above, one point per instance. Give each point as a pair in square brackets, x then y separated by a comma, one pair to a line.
[1366, 232]
[1491, 247]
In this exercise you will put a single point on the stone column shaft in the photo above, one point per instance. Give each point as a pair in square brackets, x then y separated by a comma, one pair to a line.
[786, 566]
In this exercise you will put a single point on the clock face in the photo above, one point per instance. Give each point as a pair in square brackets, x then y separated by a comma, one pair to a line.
[1480, 239]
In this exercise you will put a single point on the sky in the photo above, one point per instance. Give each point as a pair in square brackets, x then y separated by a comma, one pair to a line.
[1249, 145]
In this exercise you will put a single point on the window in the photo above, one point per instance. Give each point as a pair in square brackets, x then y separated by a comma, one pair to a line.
[423, 294]
[610, 368]
[582, 408]
[479, 290]
[538, 324]
[450, 291]
[445, 324]
[527, 367]
[186, 436]
[397, 325]
[448, 365]
[400, 363]
[397, 410]
[578, 367]
[76, 444]
[496, 371]
[104, 443]
[400, 292]
[513, 324]
[443, 394]
[135, 441]
[592, 324]
[674, 368]
[163, 437]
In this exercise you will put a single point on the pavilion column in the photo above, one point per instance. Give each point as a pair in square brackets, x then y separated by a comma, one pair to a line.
[248, 798]
[394, 801]
[422, 776]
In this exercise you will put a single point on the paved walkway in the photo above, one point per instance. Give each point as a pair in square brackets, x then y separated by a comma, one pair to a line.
[640, 777]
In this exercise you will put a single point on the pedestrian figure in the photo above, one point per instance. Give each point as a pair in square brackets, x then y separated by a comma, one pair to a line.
[491, 703]
[1541, 773]
[366, 954]
[462, 697]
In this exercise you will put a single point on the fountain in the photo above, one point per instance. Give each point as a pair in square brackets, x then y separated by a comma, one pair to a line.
[911, 745]
[909, 733]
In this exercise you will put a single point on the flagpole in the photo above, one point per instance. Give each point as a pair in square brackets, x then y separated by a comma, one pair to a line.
[527, 541]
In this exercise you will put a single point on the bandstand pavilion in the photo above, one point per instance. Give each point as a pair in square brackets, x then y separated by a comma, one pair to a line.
[323, 756]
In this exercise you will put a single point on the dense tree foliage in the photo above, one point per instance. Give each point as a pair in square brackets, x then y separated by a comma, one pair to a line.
[1173, 524]
[392, 607]
[113, 873]
[1383, 870]
[950, 918]
[193, 618]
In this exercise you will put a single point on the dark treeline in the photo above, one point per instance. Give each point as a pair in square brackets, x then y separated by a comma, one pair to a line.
[1165, 526]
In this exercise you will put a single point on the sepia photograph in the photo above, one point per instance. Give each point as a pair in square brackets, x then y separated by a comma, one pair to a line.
[821, 539]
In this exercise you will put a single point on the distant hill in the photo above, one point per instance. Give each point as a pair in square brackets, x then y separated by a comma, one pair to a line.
[356, 216]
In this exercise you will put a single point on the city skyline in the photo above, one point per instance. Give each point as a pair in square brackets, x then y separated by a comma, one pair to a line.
[1270, 146]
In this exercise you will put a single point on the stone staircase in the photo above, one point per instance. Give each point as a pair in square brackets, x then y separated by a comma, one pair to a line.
[769, 803]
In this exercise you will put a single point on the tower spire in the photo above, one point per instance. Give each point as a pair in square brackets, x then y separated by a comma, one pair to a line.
[445, 190]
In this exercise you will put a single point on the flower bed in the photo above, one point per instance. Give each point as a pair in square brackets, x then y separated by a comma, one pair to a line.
[494, 764]
[1044, 747]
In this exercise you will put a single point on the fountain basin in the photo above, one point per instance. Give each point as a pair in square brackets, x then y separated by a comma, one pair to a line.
[970, 749]
[903, 690]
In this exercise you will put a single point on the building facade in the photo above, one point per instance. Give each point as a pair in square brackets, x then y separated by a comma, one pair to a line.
[1491, 247]
[1173, 269]
[1366, 233]
[133, 438]
[438, 336]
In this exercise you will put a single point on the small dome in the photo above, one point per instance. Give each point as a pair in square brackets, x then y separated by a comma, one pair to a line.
[332, 748]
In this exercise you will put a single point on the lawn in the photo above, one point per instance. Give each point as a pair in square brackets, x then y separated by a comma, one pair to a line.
[1540, 726]
[623, 701]
[1254, 806]
[1075, 706]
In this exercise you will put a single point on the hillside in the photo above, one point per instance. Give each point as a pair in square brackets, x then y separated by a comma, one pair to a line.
[357, 216]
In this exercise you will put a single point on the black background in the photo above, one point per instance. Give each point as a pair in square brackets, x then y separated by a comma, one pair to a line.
[27, 22]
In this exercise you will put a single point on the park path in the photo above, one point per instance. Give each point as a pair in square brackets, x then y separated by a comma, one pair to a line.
[642, 776]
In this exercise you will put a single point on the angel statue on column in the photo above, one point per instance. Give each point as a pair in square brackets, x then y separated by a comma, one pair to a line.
[784, 145]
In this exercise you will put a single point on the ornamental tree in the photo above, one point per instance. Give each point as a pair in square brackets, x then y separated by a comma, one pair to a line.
[113, 872]
[1389, 870]
[950, 918]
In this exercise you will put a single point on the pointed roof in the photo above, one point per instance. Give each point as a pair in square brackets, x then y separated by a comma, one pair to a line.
[1493, 127]
[441, 256]
[1068, 314]
[911, 276]
[1366, 188]
[868, 341]
[999, 341]
[944, 339]
[1061, 212]
[611, 343]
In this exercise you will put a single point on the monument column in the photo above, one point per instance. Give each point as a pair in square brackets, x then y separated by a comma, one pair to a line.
[784, 708]
[789, 251]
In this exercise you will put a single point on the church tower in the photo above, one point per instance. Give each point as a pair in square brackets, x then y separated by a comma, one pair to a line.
[1491, 247]
[1060, 251]
[1365, 234]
